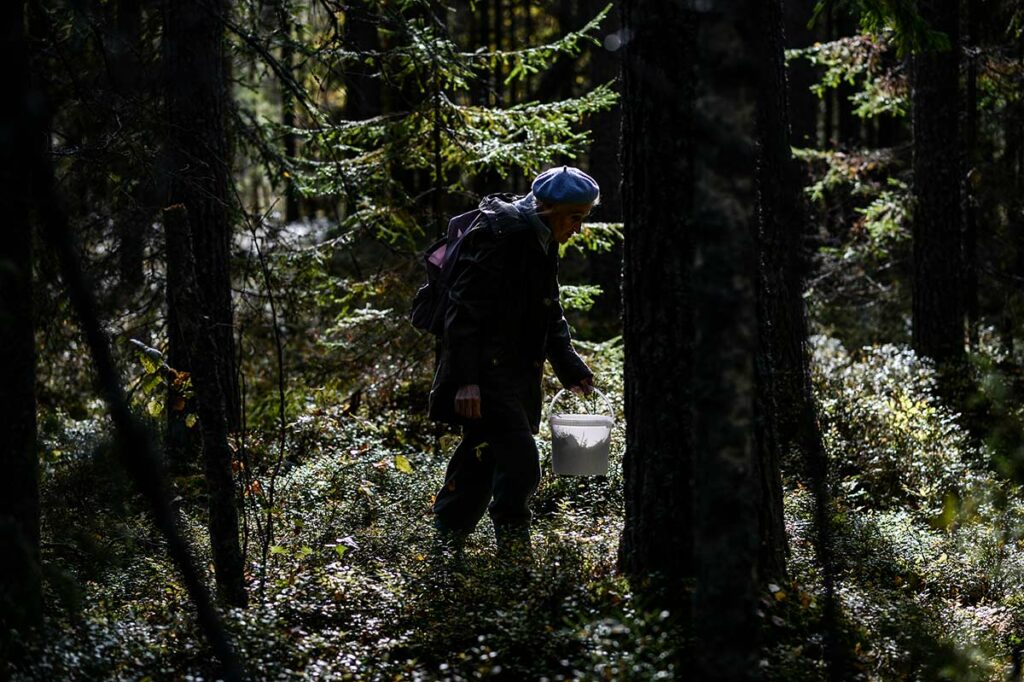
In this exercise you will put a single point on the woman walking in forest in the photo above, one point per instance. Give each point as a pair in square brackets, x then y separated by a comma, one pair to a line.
[503, 319]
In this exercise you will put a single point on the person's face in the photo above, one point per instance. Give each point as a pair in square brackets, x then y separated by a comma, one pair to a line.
[565, 220]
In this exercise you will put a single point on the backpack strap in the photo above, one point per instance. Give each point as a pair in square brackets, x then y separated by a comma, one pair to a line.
[460, 224]
[503, 222]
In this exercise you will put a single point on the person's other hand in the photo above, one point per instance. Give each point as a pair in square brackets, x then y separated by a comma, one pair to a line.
[467, 401]
[585, 387]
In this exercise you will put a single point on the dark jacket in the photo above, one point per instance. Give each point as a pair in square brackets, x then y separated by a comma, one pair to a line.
[503, 320]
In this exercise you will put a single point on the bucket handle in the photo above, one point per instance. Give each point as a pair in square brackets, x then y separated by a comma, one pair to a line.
[607, 403]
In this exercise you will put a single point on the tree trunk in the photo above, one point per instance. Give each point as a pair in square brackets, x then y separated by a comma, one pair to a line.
[938, 330]
[557, 82]
[20, 598]
[725, 336]
[605, 125]
[482, 22]
[198, 336]
[497, 73]
[1013, 161]
[829, 100]
[787, 424]
[127, 78]
[804, 104]
[783, 377]
[197, 103]
[362, 89]
[514, 43]
[690, 317]
[530, 40]
[848, 124]
[658, 87]
[970, 228]
[291, 194]
[606, 268]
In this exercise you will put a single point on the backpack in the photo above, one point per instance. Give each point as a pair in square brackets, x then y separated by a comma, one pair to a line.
[431, 300]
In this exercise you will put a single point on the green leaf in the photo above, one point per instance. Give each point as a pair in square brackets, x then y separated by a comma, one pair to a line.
[148, 363]
[151, 382]
[191, 419]
[278, 549]
[155, 407]
[340, 549]
[402, 464]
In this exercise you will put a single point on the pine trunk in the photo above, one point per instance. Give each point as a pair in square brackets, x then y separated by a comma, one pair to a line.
[606, 268]
[291, 194]
[20, 598]
[198, 336]
[658, 86]
[497, 73]
[557, 82]
[970, 205]
[1014, 203]
[725, 333]
[784, 393]
[127, 80]
[198, 103]
[848, 124]
[804, 104]
[938, 330]
[362, 89]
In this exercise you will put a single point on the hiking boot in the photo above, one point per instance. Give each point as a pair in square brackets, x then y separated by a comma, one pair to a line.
[514, 546]
[448, 549]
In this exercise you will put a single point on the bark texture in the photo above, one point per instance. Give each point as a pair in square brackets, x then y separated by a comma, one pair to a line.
[938, 330]
[690, 317]
[198, 101]
[658, 85]
[198, 336]
[787, 423]
[20, 140]
[725, 337]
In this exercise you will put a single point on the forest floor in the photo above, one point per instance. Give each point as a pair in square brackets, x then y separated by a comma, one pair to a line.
[930, 562]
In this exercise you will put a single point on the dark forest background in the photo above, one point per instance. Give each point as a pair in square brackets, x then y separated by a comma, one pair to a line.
[801, 291]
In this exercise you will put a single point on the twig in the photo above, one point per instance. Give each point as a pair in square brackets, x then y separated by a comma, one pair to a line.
[268, 538]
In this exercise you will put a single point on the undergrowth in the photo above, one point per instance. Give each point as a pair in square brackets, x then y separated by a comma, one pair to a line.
[930, 561]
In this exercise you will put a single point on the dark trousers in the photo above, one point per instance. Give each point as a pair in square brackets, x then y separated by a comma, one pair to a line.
[493, 471]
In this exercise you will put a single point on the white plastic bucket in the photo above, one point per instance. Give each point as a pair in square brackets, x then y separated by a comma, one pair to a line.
[580, 442]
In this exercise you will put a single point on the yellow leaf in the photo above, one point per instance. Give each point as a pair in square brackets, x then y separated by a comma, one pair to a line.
[150, 365]
[402, 464]
[155, 407]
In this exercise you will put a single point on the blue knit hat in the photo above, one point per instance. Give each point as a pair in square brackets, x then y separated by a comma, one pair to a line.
[565, 185]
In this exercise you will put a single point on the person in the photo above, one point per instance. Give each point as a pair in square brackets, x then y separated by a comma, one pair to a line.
[502, 321]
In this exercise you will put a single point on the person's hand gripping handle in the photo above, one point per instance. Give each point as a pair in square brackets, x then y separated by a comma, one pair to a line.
[585, 387]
